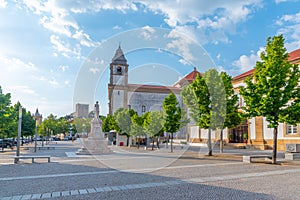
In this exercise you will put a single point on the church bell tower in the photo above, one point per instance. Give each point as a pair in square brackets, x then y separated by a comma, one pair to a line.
[117, 87]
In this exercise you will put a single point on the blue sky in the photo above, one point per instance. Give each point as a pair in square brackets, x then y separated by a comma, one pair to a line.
[49, 48]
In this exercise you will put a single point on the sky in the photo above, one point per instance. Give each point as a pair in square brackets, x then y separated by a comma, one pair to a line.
[54, 54]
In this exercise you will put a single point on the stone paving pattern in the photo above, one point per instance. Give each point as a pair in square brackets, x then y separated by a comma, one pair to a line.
[138, 174]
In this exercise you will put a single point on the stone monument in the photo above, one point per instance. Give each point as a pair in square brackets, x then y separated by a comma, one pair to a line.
[95, 143]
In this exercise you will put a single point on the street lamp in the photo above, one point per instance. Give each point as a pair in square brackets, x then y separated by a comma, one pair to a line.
[19, 134]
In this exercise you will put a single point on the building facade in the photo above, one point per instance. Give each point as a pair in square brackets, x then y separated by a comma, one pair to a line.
[259, 135]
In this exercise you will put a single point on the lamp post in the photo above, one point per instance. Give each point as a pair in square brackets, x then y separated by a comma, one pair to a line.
[42, 136]
[19, 133]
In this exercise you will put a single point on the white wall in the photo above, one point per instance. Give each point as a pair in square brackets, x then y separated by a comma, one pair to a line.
[252, 128]
[118, 99]
[123, 138]
[268, 132]
[194, 130]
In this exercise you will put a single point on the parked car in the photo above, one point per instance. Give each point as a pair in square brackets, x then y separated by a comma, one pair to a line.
[6, 143]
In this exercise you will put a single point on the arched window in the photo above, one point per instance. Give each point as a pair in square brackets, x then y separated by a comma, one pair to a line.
[119, 70]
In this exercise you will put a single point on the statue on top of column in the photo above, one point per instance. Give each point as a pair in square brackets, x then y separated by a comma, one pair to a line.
[96, 110]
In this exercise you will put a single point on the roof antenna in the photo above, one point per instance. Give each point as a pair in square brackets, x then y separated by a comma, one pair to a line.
[119, 44]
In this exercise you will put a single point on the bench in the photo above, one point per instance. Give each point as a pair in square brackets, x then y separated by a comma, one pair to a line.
[39, 148]
[248, 158]
[46, 147]
[292, 156]
[17, 158]
[183, 143]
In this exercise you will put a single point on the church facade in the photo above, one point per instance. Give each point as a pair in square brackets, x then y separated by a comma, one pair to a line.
[139, 97]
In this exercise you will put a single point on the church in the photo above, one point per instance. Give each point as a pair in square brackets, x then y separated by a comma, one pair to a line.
[139, 97]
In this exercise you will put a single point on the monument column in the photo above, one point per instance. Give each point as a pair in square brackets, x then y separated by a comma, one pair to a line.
[95, 143]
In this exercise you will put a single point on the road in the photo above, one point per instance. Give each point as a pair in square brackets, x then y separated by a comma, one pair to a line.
[128, 173]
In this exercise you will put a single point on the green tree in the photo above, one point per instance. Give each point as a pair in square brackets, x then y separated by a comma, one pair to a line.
[205, 98]
[124, 122]
[274, 92]
[154, 124]
[82, 125]
[63, 125]
[172, 115]
[51, 123]
[138, 127]
[109, 123]
[232, 118]
[28, 122]
[6, 118]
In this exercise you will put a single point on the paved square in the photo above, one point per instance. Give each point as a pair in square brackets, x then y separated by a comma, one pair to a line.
[186, 174]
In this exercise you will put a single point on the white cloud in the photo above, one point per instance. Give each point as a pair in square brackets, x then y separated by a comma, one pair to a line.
[56, 17]
[147, 33]
[94, 70]
[219, 17]
[290, 28]
[53, 82]
[65, 48]
[117, 27]
[84, 39]
[63, 67]
[281, 1]
[180, 44]
[184, 62]
[59, 24]
[67, 83]
[95, 61]
[245, 63]
[22, 89]
[3, 3]
[16, 65]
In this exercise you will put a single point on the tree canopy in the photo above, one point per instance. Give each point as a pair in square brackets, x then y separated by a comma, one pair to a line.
[172, 114]
[273, 91]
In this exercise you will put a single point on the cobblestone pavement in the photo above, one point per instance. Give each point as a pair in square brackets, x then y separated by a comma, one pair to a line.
[131, 173]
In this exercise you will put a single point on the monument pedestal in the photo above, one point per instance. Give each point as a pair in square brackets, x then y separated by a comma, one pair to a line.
[95, 143]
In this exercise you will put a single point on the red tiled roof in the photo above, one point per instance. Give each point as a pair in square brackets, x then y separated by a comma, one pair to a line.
[244, 75]
[192, 76]
[153, 88]
[188, 78]
[294, 55]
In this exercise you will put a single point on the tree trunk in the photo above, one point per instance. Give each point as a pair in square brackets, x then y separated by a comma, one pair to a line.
[221, 141]
[274, 153]
[171, 142]
[209, 143]
[127, 140]
[2, 141]
[152, 143]
[157, 142]
[138, 142]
